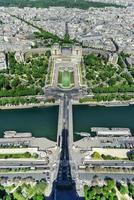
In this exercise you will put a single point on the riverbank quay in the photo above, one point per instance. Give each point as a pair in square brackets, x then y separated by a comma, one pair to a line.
[113, 160]
[13, 165]
[74, 102]
[106, 103]
[36, 105]
[41, 143]
[113, 146]
[87, 143]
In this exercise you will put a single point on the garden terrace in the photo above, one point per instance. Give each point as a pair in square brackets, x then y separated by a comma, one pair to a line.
[24, 78]
[106, 78]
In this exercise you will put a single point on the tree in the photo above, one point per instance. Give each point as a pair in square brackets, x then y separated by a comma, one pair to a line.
[38, 197]
[110, 184]
[2, 192]
[48, 53]
[15, 82]
[96, 155]
[123, 189]
[8, 197]
[131, 155]
[2, 81]
[131, 189]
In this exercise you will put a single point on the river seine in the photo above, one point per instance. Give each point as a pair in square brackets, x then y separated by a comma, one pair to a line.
[42, 122]
[86, 117]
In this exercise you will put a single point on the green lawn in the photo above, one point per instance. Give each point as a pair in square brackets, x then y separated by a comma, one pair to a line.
[18, 155]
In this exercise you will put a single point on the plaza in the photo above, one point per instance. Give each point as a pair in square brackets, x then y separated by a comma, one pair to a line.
[64, 68]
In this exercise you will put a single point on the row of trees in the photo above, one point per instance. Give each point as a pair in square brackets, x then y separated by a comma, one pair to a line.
[111, 97]
[97, 156]
[114, 89]
[106, 192]
[23, 100]
[98, 169]
[50, 38]
[120, 62]
[20, 91]
[24, 191]
[107, 97]
[47, 37]
[18, 101]
[45, 4]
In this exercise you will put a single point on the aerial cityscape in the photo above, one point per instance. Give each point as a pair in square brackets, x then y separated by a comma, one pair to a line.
[67, 100]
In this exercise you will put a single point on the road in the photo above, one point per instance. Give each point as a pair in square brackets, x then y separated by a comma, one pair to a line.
[22, 164]
[22, 175]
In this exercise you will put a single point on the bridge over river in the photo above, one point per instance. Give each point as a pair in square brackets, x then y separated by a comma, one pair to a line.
[64, 186]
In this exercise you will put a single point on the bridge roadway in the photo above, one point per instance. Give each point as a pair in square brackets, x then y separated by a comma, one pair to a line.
[64, 186]
[65, 118]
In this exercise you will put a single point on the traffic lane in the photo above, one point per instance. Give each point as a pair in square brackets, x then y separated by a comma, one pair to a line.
[20, 162]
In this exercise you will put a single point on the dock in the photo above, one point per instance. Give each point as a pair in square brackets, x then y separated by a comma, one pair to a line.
[111, 132]
[14, 134]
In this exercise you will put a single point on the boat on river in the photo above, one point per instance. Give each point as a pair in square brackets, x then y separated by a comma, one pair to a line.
[83, 134]
[116, 104]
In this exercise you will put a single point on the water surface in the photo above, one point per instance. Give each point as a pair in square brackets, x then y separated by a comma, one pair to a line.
[41, 122]
[86, 117]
